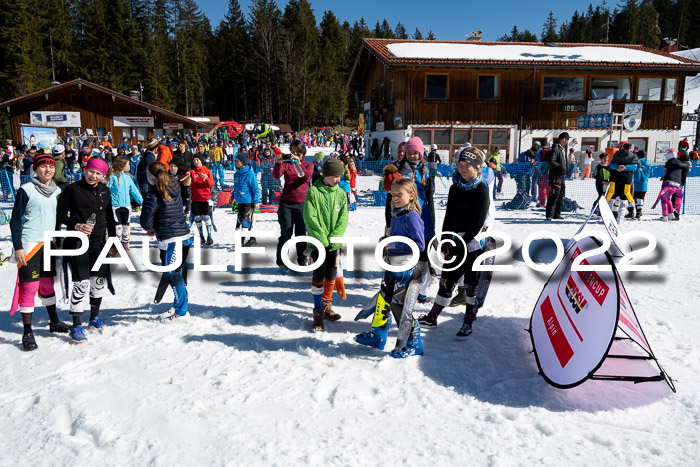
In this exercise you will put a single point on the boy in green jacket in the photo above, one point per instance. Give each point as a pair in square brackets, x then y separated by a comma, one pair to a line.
[326, 216]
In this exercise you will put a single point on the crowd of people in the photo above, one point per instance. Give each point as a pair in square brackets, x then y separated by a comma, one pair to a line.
[173, 180]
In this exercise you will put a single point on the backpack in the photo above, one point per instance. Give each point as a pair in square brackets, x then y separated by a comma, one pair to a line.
[569, 205]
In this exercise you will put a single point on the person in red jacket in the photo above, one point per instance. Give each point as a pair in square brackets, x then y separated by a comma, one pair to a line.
[202, 183]
[290, 213]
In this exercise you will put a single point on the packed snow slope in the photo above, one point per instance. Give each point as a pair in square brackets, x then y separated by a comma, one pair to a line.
[245, 382]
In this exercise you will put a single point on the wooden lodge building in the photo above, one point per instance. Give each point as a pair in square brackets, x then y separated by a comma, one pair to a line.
[79, 106]
[512, 94]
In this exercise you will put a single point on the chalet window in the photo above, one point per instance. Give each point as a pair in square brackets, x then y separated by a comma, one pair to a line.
[88, 98]
[441, 137]
[142, 134]
[391, 93]
[639, 143]
[424, 136]
[656, 89]
[126, 133]
[585, 142]
[461, 136]
[436, 86]
[488, 87]
[562, 88]
[73, 99]
[381, 96]
[481, 137]
[499, 137]
[605, 88]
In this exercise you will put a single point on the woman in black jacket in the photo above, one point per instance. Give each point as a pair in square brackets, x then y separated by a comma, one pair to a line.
[162, 215]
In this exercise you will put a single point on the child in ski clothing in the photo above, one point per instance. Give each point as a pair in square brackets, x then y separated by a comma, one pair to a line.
[640, 181]
[353, 176]
[267, 181]
[468, 205]
[399, 290]
[34, 213]
[602, 175]
[326, 216]
[494, 161]
[391, 174]
[416, 169]
[163, 215]
[86, 206]
[124, 190]
[217, 164]
[622, 166]
[245, 191]
[202, 183]
[672, 185]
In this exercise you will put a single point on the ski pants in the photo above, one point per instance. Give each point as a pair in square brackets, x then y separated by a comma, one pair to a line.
[177, 279]
[667, 192]
[398, 294]
[217, 171]
[557, 192]
[291, 219]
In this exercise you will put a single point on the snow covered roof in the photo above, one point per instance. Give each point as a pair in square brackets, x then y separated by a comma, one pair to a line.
[516, 54]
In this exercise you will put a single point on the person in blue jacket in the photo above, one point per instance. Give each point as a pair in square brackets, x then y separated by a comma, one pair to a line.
[246, 194]
[640, 180]
[163, 216]
[123, 189]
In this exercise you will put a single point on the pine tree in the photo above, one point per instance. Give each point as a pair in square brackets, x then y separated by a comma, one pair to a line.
[400, 31]
[418, 35]
[333, 99]
[430, 36]
[230, 63]
[549, 29]
[624, 27]
[649, 33]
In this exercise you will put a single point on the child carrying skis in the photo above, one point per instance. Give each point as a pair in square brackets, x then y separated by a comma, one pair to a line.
[163, 215]
[34, 213]
[399, 290]
[247, 195]
[468, 204]
[123, 190]
[326, 216]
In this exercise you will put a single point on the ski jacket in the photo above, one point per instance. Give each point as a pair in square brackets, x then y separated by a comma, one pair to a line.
[466, 210]
[674, 169]
[59, 175]
[32, 215]
[146, 159]
[245, 186]
[626, 158]
[558, 162]
[641, 175]
[166, 217]
[325, 213]
[496, 158]
[183, 160]
[217, 155]
[295, 187]
[123, 189]
[602, 173]
[79, 201]
[406, 223]
[165, 155]
[425, 194]
[201, 188]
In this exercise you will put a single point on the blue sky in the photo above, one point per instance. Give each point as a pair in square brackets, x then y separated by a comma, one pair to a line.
[449, 20]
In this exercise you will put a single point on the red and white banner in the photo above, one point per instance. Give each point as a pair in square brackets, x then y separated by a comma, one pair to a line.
[574, 321]
[628, 319]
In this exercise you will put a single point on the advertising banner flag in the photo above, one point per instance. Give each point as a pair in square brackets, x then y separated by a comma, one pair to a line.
[612, 227]
[142, 122]
[55, 119]
[41, 137]
[574, 321]
[632, 118]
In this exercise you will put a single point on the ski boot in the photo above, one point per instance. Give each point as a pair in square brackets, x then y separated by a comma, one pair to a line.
[210, 241]
[177, 319]
[251, 241]
[676, 216]
[423, 299]
[639, 214]
[460, 299]
[376, 337]
[630, 213]
[28, 342]
[328, 312]
[202, 240]
[414, 346]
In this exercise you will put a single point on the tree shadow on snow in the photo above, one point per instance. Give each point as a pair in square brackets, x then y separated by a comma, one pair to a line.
[495, 365]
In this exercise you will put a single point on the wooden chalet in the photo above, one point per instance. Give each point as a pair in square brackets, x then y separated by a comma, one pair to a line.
[511, 94]
[79, 106]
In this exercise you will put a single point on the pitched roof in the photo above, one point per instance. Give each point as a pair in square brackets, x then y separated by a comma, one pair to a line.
[399, 52]
[116, 94]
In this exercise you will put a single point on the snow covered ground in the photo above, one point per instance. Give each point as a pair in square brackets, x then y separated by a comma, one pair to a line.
[246, 383]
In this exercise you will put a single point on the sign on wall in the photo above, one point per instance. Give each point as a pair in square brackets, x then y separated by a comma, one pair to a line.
[41, 137]
[172, 126]
[143, 122]
[55, 119]
[632, 118]
[599, 106]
